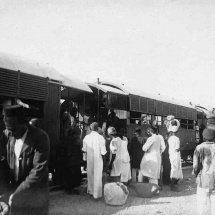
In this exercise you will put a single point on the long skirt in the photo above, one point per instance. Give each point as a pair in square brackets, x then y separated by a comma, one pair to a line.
[126, 172]
[72, 177]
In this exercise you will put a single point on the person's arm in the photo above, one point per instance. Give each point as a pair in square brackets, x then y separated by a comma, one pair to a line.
[111, 162]
[103, 151]
[181, 147]
[113, 149]
[197, 164]
[148, 144]
[163, 145]
[84, 149]
[4, 168]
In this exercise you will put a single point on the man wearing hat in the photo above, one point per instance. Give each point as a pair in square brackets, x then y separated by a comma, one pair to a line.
[24, 164]
[204, 170]
[94, 150]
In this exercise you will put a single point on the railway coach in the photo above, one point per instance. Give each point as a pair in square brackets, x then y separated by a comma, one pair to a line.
[41, 89]
[139, 109]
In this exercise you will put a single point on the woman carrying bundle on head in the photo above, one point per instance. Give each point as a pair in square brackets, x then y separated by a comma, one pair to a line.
[174, 154]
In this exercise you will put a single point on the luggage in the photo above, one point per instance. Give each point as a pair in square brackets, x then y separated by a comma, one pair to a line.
[115, 193]
[145, 190]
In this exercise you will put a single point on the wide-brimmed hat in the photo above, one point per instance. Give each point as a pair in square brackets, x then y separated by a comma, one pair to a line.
[174, 125]
[111, 131]
[209, 134]
[13, 111]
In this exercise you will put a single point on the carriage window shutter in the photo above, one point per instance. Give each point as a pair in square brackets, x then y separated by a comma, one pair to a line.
[194, 115]
[151, 106]
[134, 103]
[32, 87]
[159, 108]
[172, 109]
[8, 83]
[184, 112]
[113, 100]
[143, 105]
[166, 108]
[121, 102]
[179, 112]
[190, 113]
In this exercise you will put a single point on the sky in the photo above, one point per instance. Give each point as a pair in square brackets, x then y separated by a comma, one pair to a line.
[164, 47]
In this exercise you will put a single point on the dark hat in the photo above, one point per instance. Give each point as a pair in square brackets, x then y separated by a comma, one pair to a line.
[209, 134]
[94, 126]
[137, 130]
[13, 111]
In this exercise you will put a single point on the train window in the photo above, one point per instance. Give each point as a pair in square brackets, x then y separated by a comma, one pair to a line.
[158, 120]
[190, 124]
[140, 119]
[183, 123]
[145, 119]
[135, 117]
[163, 121]
[122, 114]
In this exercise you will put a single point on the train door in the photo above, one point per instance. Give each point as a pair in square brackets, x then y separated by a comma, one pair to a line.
[51, 124]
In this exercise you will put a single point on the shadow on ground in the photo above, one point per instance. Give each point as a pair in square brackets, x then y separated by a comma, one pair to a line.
[83, 204]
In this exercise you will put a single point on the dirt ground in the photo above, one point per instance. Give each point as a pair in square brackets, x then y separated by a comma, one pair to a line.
[167, 202]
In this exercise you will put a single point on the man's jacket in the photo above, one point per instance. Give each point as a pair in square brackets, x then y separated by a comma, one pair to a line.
[32, 185]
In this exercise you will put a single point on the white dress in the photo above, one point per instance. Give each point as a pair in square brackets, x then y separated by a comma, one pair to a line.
[94, 146]
[116, 148]
[121, 165]
[126, 167]
[175, 158]
[151, 162]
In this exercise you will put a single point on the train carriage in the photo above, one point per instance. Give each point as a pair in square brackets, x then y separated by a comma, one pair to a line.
[41, 88]
[142, 109]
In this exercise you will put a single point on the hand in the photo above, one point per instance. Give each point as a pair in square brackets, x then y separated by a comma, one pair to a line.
[10, 199]
[85, 166]
[109, 169]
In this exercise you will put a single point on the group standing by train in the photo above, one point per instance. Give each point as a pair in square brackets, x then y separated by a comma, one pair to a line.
[40, 134]
[140, 159]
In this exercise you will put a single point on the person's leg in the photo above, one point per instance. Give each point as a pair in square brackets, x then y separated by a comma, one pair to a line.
[172, 185]
[134, 175]
[212, 202]
[202, 196]
[140, 177]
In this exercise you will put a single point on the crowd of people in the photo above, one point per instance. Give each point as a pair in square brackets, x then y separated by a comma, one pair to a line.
[111, 157]
[106, 156]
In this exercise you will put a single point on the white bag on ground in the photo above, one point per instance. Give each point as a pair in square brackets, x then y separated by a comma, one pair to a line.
[115, 193]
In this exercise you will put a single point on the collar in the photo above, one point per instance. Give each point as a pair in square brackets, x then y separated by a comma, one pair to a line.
[24, 135]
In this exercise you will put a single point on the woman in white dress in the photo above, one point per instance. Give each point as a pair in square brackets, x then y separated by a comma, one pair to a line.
[120, 160]
[126, 167]
[174, 154]
[115, 166]
[151, 162]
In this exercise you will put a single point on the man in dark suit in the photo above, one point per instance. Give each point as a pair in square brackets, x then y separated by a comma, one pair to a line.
[24, 155]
